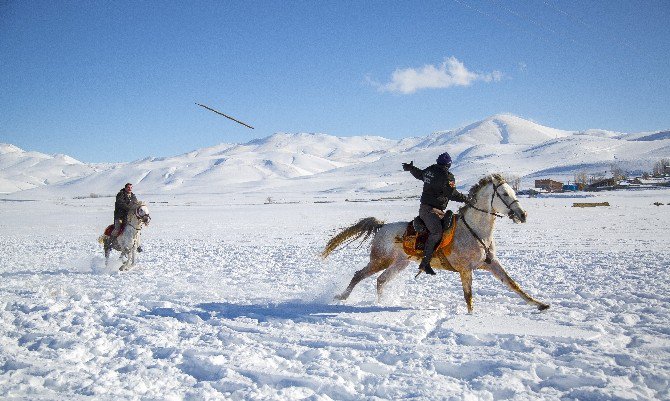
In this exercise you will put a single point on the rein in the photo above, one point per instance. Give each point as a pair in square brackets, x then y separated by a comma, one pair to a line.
[484, 211]
[481, 241]
[139, 228]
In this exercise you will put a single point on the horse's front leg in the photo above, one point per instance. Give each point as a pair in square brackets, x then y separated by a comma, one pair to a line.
[499, 272]
[133, 252]
[466, 281]
[125, 259]
[107, 247]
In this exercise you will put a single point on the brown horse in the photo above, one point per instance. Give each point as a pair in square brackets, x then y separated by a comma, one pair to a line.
[473, 245]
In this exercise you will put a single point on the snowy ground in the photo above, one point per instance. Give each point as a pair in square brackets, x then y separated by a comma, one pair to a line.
[230, 300]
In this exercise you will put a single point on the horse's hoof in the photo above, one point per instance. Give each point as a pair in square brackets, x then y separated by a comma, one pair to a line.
[339, 298]
[543, 307]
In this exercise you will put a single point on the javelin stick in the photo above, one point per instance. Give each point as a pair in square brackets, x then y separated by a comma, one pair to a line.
[229, 117]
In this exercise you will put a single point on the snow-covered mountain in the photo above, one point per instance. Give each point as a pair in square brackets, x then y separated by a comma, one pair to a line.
[20, 170]
[495, 130]
[215, 169]
[323, 164]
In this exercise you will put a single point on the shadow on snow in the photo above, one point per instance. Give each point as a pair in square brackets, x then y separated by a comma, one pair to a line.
[298, 312]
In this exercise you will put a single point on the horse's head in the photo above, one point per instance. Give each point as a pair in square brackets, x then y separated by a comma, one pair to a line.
[496, 195]
[141, 211]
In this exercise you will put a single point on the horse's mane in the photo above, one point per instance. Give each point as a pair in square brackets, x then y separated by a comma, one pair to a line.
[484, 181]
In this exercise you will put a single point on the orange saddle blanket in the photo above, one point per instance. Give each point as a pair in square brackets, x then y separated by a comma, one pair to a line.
[414, 243]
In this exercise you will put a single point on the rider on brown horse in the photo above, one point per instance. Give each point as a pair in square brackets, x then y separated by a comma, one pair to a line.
[439, 186]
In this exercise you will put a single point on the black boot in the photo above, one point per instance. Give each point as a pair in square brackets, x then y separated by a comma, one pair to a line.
[428, 250]
[425, 266]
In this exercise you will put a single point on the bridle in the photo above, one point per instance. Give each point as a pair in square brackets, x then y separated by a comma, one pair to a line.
[143, 218]
[491, 212]
[493, 197]
[508, 205]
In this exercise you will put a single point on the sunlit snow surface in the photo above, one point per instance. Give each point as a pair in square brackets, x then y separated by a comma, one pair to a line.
[230, 300]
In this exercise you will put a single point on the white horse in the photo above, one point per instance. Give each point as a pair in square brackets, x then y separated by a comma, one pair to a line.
[129, 240]
[473, 246]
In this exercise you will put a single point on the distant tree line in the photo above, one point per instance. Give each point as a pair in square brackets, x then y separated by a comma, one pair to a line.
[513, 180]
[661, 168]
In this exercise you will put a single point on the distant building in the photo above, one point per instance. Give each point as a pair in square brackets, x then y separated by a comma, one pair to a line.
[608, 183]
[570, 187]
[652, 181]
[549, 185]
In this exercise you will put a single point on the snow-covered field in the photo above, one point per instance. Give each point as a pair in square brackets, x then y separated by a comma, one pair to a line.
[230, 300]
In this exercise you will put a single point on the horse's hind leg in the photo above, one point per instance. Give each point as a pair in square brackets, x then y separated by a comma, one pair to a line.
[499, 272]
[466, 281]
[358, 276]
[371, 268]
[392, 271]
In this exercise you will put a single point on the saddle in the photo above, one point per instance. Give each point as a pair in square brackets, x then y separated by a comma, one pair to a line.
[110, 228]
[416, 234]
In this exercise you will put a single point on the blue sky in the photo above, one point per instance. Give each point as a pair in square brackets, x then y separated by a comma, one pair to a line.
[111, 81]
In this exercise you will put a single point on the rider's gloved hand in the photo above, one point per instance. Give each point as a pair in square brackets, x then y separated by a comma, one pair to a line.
[408, 166]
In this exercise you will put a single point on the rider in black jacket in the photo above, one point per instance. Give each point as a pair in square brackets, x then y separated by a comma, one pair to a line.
[439, 186]
[124, 200]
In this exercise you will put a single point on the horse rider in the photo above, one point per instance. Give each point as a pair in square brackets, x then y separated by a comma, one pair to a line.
[124, 200]
[439, 186]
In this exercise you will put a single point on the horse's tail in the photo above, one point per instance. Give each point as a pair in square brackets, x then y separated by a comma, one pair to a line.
[364, 228]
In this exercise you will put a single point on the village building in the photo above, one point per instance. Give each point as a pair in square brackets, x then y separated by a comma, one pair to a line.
[549, 185]
[607, 183]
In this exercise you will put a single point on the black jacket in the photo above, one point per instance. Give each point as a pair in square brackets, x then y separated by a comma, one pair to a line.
[123, 203]
[439, 186]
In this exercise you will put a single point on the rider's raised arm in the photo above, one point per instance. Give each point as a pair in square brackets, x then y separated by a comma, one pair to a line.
[415, 171]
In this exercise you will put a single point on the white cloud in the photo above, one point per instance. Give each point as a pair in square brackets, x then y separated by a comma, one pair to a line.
[450, 73]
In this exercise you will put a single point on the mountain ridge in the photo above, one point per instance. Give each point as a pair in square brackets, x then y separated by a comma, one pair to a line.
[500, 143]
